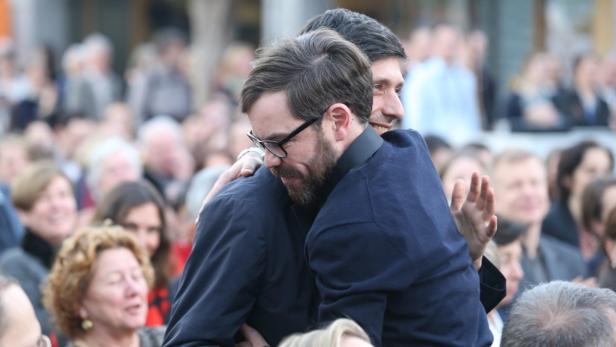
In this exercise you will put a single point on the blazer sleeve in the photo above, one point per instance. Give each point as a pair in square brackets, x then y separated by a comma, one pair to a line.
[219, 284]
[355, 265]
[492, 285]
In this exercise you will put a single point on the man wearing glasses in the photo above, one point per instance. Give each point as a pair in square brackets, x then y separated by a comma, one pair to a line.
[18, 324]
[250, 265]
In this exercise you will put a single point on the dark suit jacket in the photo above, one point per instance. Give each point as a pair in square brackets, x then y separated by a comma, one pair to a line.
[599, 117]
[555, 260]
[514, 112]
[386, 252]
[247, 266]
[559, 223]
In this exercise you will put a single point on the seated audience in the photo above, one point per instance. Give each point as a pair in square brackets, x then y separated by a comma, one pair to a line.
[97, 290]
[534, 104]
[520, 185]
[584, 104]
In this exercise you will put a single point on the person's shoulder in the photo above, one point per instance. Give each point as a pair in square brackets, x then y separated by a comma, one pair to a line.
[12, 256]
[261, 186]
[403, 137]
[557, 245]
[151, 336]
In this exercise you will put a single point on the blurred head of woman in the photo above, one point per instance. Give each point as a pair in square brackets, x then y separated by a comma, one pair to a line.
[139, 209]
[579, 165]
[44, 198]
[97, 288]
[341, 333]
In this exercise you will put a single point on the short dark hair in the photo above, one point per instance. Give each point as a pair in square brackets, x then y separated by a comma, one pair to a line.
[569, 161]
[508, 231]
[315, 70]
[372, 37]
[436, 143]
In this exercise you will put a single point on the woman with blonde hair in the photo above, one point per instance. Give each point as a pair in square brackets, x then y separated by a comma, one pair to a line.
[341, 333]
[97, 290]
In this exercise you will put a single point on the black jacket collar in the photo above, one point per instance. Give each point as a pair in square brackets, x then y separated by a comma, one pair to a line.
[37, 247]
[360, 150]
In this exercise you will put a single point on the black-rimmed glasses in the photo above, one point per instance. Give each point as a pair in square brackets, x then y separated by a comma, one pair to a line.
[275, 147]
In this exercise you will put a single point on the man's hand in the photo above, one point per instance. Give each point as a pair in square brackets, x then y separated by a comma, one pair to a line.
[243, 167]
[474, 214]
[253, 337]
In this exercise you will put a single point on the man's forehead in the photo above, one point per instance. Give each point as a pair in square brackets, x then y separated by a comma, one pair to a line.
[387, 69]
[270, 116]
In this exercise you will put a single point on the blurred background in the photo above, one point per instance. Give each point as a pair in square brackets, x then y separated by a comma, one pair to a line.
[514, 28]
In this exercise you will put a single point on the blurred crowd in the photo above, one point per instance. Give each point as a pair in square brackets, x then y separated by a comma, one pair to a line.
[84, 146]
[448, 82]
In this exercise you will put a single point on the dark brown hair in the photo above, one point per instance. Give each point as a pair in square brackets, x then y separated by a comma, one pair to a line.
[316, 70]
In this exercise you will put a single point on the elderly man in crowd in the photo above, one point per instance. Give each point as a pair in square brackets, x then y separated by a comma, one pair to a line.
[562, 314]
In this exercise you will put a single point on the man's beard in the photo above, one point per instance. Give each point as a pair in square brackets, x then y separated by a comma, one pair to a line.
[319, 169]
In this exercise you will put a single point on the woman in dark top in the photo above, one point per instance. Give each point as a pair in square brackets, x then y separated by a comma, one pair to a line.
[578, 165]
[44, 197]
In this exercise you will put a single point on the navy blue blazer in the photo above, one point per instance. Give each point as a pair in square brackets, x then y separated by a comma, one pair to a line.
[386, 251]
[247, 266]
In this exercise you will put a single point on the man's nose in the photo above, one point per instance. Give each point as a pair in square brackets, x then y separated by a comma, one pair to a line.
[271, 160]
[393, 106]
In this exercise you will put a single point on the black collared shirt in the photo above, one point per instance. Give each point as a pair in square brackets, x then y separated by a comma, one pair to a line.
[360, 150]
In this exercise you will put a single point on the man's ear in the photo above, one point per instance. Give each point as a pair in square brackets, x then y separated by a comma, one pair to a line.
[341, 118]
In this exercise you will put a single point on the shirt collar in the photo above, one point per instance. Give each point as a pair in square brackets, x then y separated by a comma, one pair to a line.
[360, 150]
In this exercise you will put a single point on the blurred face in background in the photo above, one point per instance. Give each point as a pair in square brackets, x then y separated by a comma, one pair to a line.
[20, 328]
[460, 168]
[115, 169]
[13, 160]
[53, 216]
[595, 163]
[510, 266]
[116, 298]
[144, 221]
[521, 188]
